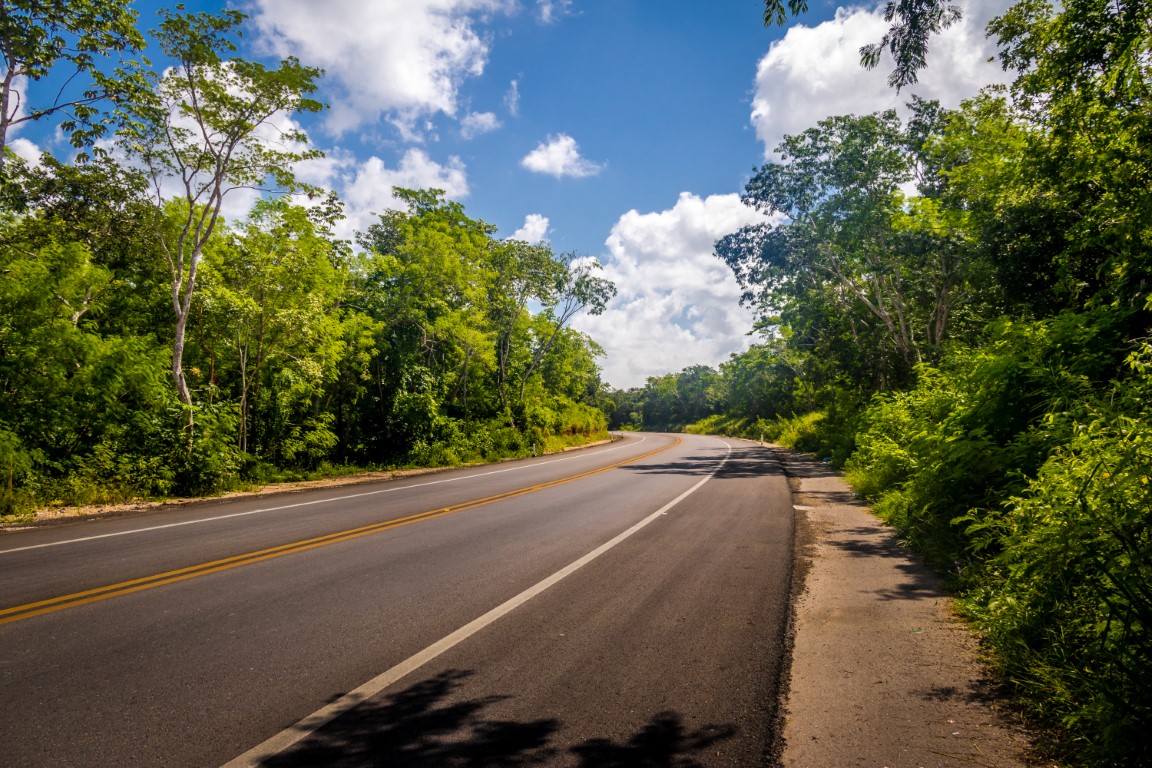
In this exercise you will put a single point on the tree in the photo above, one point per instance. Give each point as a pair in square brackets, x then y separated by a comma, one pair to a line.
[522, 272]
[209, 126]
[38, 35]
[426, 277]
[271, 333]
[575, 287]
[1084, 89]
[850, 240]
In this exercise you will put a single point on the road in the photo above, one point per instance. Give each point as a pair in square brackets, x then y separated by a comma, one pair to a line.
[621, 605]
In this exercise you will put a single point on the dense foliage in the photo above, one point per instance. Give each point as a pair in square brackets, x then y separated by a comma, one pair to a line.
[150, 347]
[957, 309]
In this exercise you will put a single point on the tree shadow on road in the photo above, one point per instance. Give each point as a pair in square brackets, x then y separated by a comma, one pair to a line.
[427, 724]
[743, 462]
[662, 743]
[419, 726]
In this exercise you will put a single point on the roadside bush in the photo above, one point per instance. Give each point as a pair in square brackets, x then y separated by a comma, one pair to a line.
[15, 465]
[1021, 471]
[1066, 600]
[207, 461]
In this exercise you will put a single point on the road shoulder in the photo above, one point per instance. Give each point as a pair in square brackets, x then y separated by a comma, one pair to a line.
[883, 673]
[49, 516]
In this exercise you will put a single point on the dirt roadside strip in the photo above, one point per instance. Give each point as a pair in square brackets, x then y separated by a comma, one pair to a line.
[883, 673]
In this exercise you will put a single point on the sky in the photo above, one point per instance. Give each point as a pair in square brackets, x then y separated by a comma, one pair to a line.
[622, 130]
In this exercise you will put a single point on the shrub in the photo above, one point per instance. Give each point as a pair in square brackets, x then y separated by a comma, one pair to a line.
[1067, 599]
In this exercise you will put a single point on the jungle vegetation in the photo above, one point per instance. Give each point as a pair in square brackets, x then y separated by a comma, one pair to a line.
[956, 308]
[151, 347]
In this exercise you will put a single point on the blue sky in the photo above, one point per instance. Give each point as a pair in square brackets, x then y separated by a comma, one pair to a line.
[619, 129]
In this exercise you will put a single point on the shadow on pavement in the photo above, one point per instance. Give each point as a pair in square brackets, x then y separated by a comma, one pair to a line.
[920, 584]
[662, 743]
[743, 462]
[426, 725]
[810, 469]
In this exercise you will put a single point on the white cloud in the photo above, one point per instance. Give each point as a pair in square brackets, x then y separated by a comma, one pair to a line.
[678, 305]
[512, 98]
[549, 11]
[815, 72]
[27, 150]
[559, 156]
[534, 230]
[400, 58]
[366, 188]
[475, 123]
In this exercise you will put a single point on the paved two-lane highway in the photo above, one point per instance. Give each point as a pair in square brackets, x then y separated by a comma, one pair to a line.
[611, 606]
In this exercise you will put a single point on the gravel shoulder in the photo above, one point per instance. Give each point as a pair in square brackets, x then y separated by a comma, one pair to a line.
[883, 671]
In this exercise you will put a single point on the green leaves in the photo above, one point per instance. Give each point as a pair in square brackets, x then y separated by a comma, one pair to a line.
[851, 257]
[914, 23]
[37, 36]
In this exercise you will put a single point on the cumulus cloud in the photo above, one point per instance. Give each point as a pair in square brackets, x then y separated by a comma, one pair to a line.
[815, 72]
[535, 229]
[366, 188]
[678, 305]
[559, 156]
[27, 150]
[397, 58]
[475, 123]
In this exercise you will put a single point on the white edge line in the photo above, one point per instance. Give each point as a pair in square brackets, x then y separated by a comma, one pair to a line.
[308, 503]
[321, 717]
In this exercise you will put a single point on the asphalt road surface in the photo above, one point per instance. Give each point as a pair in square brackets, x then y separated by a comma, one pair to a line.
[619, 606]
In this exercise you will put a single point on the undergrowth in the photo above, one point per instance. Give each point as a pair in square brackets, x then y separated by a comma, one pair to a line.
[1022, 472]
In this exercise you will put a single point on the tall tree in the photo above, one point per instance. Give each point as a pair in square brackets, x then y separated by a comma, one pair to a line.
[849, 239]
[521, 272]
[270, 292]
[37, 36]
[211, 125]
[575, 287]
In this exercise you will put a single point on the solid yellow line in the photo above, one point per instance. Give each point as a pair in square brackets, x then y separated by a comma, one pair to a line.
[50, 605]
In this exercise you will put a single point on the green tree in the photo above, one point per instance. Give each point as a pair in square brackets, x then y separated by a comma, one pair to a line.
[425, 278]
[272, 336]
[1084, 88]
[575, 287]
[852, 252]
[521, 273]
[37, 36]
[211, 125]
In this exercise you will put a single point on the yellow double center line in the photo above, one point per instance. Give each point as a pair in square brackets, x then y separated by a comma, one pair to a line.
[28, 610]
